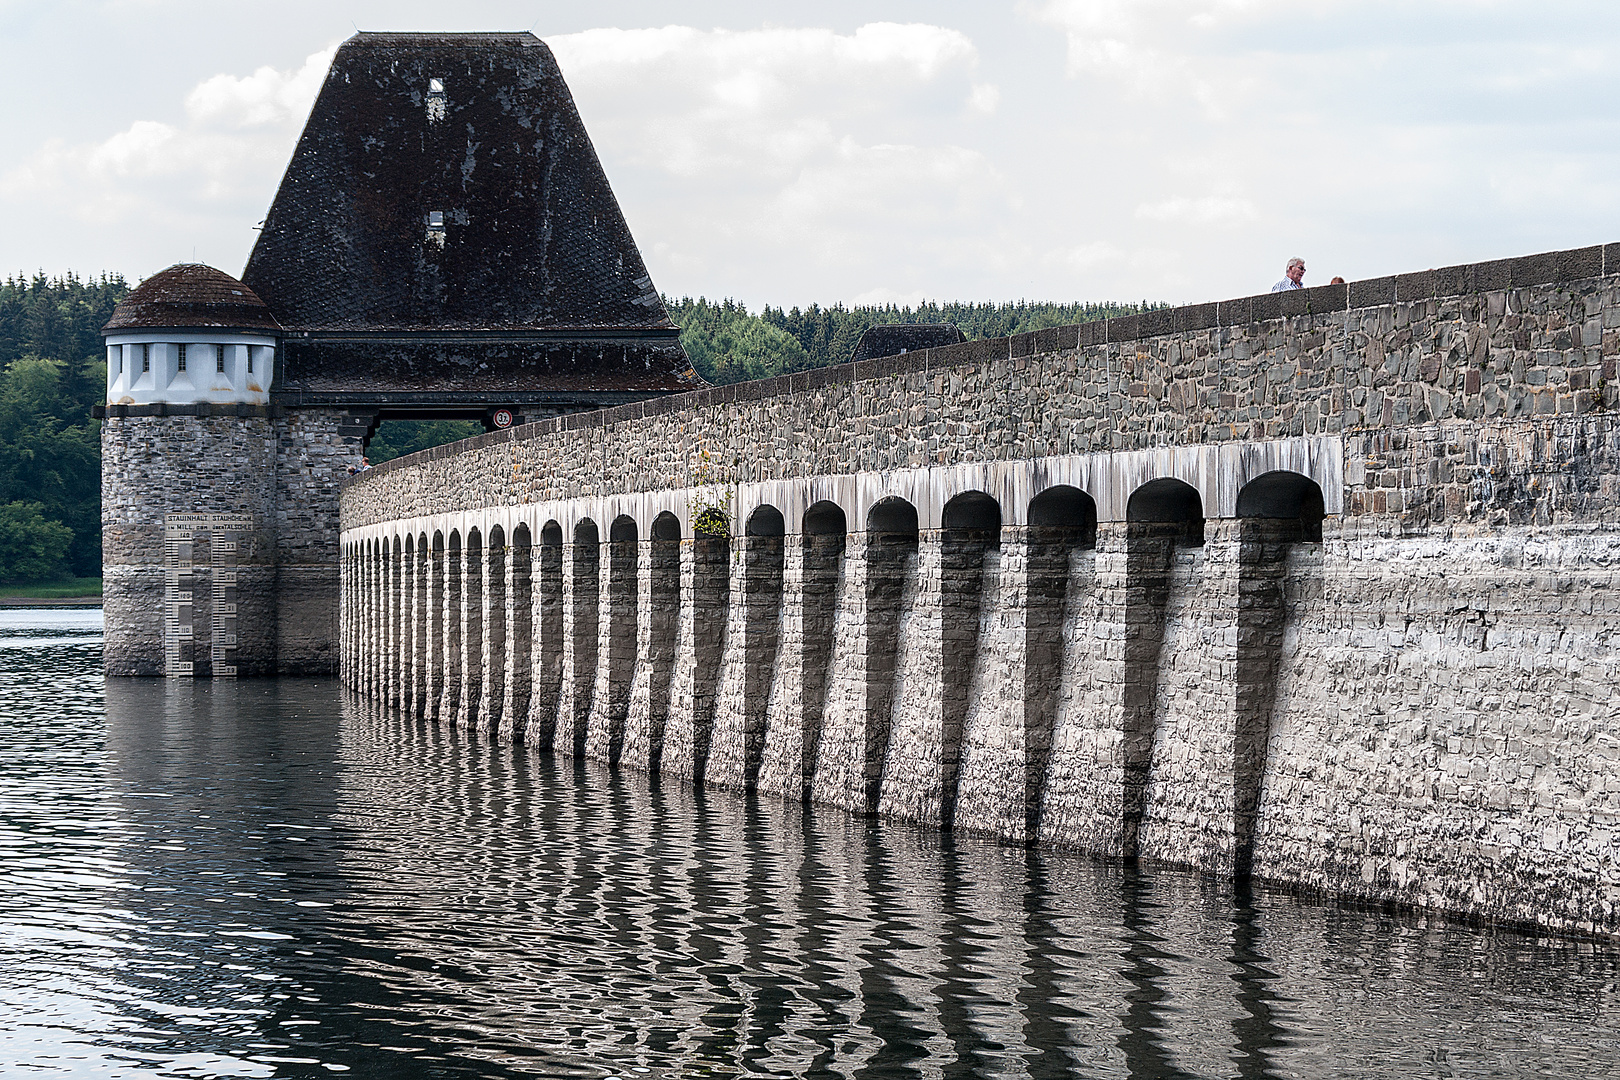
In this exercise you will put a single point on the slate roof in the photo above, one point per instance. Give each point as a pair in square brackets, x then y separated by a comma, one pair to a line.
[892, 339]
[445, 200]
[191, 296]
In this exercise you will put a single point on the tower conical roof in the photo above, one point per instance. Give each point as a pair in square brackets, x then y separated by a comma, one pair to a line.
[481, 130]
[191, 296]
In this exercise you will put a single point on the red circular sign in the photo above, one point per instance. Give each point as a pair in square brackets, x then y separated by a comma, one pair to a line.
[503, 418]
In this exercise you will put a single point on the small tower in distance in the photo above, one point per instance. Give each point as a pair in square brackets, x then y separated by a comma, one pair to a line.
[188, 478]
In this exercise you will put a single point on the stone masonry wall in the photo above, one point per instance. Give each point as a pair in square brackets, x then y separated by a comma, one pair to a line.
[1411, 706]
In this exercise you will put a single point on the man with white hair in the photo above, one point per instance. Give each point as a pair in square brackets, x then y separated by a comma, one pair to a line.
[1293, 276]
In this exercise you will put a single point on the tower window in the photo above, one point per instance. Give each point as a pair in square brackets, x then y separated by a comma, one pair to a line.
[250, 359]
[221, 361]
[146, 358]
[180, 352]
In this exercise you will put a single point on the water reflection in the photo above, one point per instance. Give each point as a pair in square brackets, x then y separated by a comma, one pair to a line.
[258, 879]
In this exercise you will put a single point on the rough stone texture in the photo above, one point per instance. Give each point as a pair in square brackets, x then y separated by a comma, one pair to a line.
[152, 466]
[1410, 704]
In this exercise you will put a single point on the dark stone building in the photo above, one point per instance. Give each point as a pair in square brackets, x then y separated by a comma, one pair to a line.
[444, 244]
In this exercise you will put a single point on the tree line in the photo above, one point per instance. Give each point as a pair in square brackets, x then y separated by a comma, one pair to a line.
[53, 370]
[727, 343]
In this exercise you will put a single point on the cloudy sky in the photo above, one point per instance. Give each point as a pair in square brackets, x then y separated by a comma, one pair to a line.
[784, 153]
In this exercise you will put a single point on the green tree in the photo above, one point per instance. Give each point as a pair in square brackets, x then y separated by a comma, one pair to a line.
[396, 438]
[32, 547]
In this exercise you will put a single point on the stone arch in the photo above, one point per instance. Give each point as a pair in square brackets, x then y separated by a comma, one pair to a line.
[1066, 511]
[547, 680]
[1285, 497]
[763, 554]
[450, 688]
[711, 609]
[495, 631]
[1062, 525]
[1162, 516]
[824, 533]
[394, 672]
[892, 516]
[433, 652]
[970, 529]
[624, 558]
[666, 526]
[520, 639]
[766, 520]
[1276, 511]
[825, 518]
[891, 566]
[972, 511]
[584, 624]
[472, 628]
[1165, 503]
[663, 627]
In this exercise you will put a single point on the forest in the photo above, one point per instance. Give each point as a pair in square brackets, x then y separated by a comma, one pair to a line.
[52, 371]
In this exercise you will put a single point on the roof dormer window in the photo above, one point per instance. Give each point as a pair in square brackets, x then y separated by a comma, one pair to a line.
[437, 102]
[435, 227]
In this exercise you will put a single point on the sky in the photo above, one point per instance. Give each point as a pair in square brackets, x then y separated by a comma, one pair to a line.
[885, 150]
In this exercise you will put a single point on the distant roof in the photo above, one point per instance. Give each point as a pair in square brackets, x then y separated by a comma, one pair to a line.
[191, 296]
[446, 182]
[892, 339]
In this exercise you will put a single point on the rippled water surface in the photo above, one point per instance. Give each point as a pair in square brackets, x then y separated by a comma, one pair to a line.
[258, 879]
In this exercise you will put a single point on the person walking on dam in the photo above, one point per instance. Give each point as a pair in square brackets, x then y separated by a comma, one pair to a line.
[1293, 276]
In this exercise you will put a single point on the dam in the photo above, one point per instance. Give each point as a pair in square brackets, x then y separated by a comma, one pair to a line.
[1312, 587]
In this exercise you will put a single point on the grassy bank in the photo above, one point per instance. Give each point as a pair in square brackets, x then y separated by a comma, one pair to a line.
[54, 590]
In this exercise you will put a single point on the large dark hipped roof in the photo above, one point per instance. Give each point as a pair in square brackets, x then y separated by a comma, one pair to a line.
[191, 296]
[481, 131]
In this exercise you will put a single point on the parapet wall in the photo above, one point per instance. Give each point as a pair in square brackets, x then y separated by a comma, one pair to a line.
[1369, 657]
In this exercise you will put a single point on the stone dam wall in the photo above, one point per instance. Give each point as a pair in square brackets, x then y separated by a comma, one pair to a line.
[1314, 586]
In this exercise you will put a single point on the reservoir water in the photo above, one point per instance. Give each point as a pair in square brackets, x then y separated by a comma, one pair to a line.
[261, 879]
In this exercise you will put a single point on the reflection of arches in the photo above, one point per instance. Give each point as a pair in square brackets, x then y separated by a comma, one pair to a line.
[891, 558]
[824, 533]
[663, 627]
[542, 728]
[971, 527]
[520, 676]
[1276, 511]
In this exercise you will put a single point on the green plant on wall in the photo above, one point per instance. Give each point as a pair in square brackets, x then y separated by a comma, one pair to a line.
[711, 495]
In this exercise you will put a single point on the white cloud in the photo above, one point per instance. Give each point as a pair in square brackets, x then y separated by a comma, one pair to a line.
[163, 186]
[798, 143]
[267, 97]
[1203, 210]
